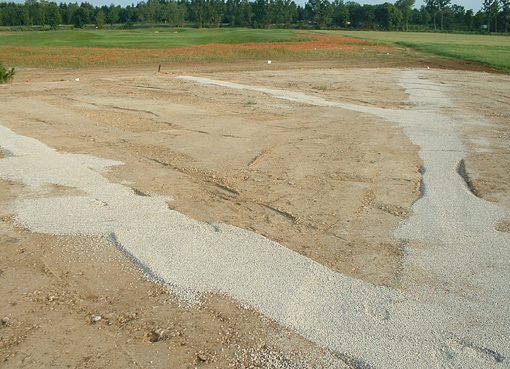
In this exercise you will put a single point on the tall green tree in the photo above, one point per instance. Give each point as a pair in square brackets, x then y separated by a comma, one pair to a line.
[405, 6]
[442, 5]
[25, 14]
[321, 12]
[35, 12]
[368, 16]
[80, 17]
[151, 11]
[487, 7]
[432, 7]
[53, 16]
[175, 14]
[262, 16]
[232, 12]
[355, 13]
[100, 19]
[468, 20]
[198, 10]
[11, 15]
[215, 12]
[505, 13]
[113, 14]
[435, 6]
[246, 14]
[271, 13]
[71, 9]
[285, 12]
[388, 16]
[340, 13]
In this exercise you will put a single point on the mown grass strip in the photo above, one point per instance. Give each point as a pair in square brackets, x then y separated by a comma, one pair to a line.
[150, 38]
[490, 50]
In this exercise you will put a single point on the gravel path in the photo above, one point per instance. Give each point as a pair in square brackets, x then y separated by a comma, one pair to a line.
[454, 309]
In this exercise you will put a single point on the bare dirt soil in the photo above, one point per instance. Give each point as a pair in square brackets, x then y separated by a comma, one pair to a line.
[328, 183]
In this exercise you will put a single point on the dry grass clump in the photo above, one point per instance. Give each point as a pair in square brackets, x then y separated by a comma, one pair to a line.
[6, 74]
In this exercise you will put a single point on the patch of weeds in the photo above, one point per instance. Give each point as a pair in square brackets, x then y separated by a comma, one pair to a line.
[320, 88]
[250, 103]
[6, 74]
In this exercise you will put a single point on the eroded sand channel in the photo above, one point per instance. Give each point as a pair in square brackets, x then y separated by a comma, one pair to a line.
[363, 324]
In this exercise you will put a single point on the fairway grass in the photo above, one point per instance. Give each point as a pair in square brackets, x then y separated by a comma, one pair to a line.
[490, 50]
[149, 38]
[85, 48]
[53, 49]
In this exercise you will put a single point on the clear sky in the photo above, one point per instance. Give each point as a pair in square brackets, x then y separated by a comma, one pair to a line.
[468, 4]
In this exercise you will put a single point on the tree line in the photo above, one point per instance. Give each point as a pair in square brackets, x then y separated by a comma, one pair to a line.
[320, 14]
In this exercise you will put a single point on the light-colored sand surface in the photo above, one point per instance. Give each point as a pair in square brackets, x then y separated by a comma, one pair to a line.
[469, 262]
[321, 161]
[452, 309]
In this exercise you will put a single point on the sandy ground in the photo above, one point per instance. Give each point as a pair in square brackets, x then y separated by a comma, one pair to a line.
[330, 184]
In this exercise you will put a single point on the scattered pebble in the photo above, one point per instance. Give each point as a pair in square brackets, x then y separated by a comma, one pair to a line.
[157, 335]
[202, 357]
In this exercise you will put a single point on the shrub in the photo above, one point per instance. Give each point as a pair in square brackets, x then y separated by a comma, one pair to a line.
[5, 74]
[128, 24]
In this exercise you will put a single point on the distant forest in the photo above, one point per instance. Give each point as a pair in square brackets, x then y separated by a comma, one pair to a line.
[435, 15]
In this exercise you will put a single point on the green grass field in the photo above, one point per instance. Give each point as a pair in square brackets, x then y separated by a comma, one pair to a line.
[87, 48]
[490, 50]
[149, 38]
[81, 48]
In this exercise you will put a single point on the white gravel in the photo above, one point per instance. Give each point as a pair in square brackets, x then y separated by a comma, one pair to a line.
[454, 310]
